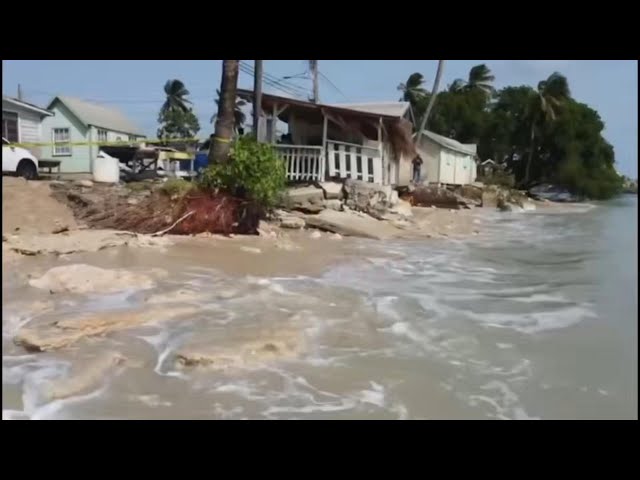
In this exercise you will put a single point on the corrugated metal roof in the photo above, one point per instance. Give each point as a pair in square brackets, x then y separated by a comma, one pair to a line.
[26, 105]
[392, 109]
[449, 143]
[99, 115]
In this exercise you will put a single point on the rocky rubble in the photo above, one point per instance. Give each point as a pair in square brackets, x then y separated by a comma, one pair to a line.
[63, 333]
[81, 278]
[249, 351]
[350, 223]
[67, 242]
[439, 197]
[88, 376]
[306, 199]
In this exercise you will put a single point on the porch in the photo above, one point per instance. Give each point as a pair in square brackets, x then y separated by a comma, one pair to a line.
[336, 160]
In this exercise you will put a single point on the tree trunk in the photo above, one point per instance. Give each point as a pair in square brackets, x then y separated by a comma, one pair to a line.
[432, 100]
[225, 120]
[527, 172]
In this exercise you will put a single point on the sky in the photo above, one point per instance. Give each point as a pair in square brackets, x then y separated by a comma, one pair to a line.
[136, 86]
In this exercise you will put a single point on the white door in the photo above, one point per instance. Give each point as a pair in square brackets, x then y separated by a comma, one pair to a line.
[9, 157]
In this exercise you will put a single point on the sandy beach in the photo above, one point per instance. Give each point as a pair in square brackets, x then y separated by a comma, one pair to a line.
[102, 305]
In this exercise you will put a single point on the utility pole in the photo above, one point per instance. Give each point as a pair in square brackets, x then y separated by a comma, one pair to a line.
[19, 92]
[313, 66]
[257, 97]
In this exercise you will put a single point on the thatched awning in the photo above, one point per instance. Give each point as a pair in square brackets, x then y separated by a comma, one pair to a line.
[396, 128]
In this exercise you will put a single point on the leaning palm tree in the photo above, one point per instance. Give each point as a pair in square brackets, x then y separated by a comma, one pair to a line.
[176, 94]
[432, 101]
[239, 116]
[413, 90]
[551, 93]
[219, 151]
[480, 78]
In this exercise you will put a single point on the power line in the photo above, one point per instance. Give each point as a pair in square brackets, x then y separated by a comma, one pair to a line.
[333, 85]
[276, 83]
[279, 85]
[268, 81]
[280, 80]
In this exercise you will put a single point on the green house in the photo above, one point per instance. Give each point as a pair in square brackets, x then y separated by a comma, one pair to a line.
[77, 127]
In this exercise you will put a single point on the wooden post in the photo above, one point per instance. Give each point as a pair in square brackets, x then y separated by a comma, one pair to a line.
[274, 121]
[324, 158]
[314, 73]
[385, 173]
[257, 98]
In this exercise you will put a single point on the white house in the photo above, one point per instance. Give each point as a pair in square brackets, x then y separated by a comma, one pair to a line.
[22, 122]
[370, 142]
[78, 127]
[446, 161]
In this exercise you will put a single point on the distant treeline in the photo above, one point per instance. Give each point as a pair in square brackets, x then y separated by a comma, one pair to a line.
[540, 134]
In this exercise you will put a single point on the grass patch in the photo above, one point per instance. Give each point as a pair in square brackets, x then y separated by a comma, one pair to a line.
[177, 187]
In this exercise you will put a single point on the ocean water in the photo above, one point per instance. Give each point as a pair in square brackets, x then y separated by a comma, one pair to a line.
[535, 318]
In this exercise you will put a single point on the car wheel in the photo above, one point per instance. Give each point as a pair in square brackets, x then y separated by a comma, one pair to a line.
[27, 170]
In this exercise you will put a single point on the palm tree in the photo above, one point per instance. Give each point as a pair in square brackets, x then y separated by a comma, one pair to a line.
[176, 94]
[551, 93]
[413, 90]
[480, 78]
[219, 151]
[432, 100]
[239, 116]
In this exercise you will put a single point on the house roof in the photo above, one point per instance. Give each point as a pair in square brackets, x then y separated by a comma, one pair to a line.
[393, 109]
[449, 143]
[27, 106]
[390, 110]
[98, 115]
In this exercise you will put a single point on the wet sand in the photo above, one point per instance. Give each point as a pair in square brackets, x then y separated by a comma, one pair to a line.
[249, 326]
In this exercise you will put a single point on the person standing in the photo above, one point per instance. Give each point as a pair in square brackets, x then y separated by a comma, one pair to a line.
[417, 167]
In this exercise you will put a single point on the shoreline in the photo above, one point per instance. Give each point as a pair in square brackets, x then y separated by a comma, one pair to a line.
[37, 225]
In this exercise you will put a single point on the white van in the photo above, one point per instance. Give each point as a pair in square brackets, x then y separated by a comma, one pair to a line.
[18, 161]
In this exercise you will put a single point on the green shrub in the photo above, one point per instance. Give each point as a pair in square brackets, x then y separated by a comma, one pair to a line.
[254, 171]
[176, 186]
[599, 183]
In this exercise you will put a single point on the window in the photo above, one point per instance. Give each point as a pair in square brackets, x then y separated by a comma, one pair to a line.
[61, 141]
[10, 126]
[132, 138]
[102, 135]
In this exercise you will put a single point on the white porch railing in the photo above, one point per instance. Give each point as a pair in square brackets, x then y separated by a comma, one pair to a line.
[342, 160]
[347, 160]
[303, 162]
